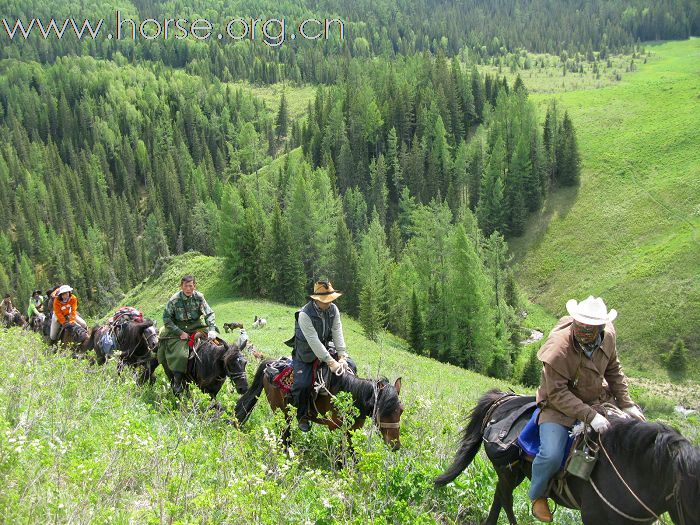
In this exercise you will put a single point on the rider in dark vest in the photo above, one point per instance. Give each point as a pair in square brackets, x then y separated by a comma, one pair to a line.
[317, 324]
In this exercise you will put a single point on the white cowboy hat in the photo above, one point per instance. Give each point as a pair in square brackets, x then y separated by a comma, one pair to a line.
[63, 289]
[591, 311]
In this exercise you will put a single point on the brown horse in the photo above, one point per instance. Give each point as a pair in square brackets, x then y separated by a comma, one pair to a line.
[77, 339]
[377, 399]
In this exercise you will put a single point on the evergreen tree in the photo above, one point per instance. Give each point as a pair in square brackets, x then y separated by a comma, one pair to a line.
[568, 159]
[417, 338]
[532, 370]
[282, 122]
[470, 318]
[515, 189]
[677, 362]
[345, 270]
[285, 270]
[490, 211]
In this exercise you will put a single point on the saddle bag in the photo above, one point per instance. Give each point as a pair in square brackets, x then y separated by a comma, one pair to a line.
[501, 436]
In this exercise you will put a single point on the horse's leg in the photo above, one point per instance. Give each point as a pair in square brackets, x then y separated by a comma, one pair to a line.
[508, 480]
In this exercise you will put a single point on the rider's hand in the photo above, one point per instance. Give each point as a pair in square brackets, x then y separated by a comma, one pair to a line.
[184, 336]
[342, 359]
[635, 412]
[334, 365]
[211, 335]
[600, 424]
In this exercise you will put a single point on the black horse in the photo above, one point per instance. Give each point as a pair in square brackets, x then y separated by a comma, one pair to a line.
[138, 344]
[212, 362]
[643, 470]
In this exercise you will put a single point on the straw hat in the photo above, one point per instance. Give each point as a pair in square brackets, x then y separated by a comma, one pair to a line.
[591, 311]
[324, 292]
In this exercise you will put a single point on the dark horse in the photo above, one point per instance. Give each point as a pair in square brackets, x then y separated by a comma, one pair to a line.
[377, 399]
[212, 362]
[637, 461]
[137, 343]
[77, 339]
[14, 318]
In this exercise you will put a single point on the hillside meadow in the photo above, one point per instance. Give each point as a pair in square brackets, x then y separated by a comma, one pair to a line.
[629, 232]
[81, 444]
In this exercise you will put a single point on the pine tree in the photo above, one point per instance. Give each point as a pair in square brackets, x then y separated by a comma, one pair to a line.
[568, 159]
[515, 190]
[417, 338]
[287, 279]
[490, 211]
[532, 370]
[282, 122]
[470, 318]
[677, 363]
[345, 272]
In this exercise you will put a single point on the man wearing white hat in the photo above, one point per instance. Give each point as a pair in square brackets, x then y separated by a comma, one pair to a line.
[578, 358]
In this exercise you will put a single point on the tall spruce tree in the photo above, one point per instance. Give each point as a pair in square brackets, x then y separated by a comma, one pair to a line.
[490, 211]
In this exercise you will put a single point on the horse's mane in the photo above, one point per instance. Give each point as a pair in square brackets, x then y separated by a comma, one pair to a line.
[363, 392]
[670, 457]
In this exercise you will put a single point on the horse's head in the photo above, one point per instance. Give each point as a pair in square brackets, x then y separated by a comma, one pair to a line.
[235, 363]
[150, 335]
[387, 412]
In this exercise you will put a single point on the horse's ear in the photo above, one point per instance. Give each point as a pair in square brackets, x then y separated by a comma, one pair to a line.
[397, 385]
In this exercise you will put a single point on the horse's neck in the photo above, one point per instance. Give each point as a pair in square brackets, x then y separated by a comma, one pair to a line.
[361, 390]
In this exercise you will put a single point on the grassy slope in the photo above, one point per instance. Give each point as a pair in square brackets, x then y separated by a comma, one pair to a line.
[630, 232]
[78, 444]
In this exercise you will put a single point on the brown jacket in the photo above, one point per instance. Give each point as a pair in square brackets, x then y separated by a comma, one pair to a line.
[571, 382]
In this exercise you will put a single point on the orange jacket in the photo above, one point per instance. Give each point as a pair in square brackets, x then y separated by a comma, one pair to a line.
[65, 312]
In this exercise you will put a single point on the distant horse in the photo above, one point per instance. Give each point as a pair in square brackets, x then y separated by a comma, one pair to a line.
[376, 399]
[14, 318]
[259, 322]
[643, 470]
[37, 323]
[230, 327]
[212, 362]
[137, 343]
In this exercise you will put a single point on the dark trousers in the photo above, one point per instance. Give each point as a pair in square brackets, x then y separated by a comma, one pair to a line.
[303, 381]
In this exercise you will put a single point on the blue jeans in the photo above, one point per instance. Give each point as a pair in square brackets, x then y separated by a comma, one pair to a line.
[303, 380]
[553, 437]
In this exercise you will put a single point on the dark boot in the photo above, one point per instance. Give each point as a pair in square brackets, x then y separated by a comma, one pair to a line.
[178, 383]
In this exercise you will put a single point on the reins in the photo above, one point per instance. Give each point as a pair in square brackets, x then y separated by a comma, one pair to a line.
[618, 511]
[321, 385]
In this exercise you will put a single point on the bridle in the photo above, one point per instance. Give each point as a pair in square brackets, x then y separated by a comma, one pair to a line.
[674, 494]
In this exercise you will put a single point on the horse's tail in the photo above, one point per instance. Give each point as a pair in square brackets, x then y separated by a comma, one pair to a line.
[247, 401]
[471, 438]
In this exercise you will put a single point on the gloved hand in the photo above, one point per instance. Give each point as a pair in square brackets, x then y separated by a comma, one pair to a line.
[212, 335]
[634, 412]
[600, 424]
[335, 366]
[342, 359]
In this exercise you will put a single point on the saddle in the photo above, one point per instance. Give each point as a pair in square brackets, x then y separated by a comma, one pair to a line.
[281, 374]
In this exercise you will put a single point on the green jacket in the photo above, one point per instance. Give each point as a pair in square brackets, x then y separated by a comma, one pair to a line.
[184, 314]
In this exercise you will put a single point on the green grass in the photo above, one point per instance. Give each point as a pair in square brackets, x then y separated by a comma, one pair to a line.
[551, 79]
[298, 97]
[629, 233]
[80, 444]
